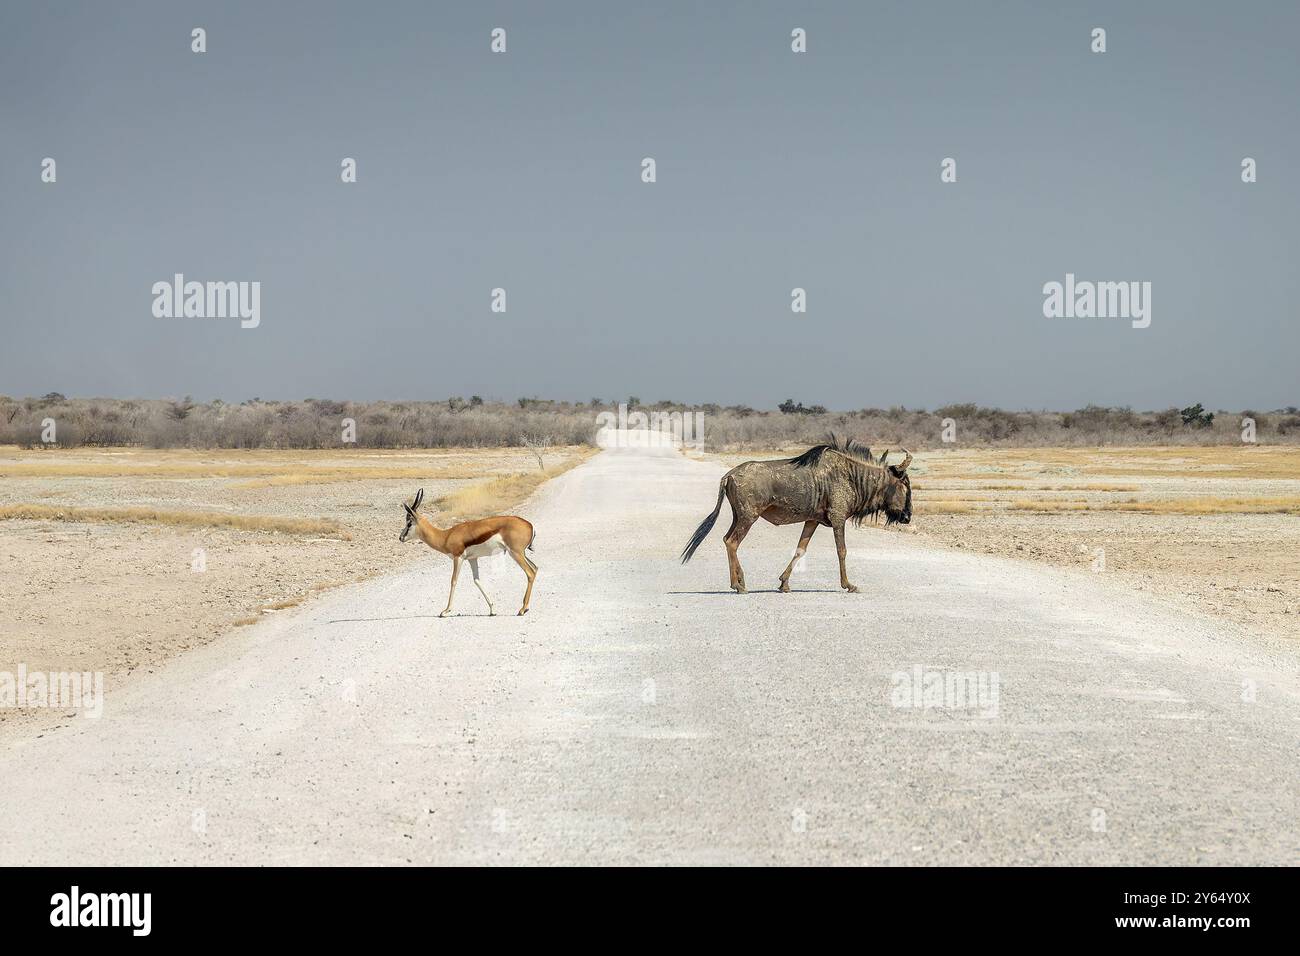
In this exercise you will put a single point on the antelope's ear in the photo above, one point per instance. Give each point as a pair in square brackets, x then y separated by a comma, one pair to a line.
[409, 511]
[419, 496]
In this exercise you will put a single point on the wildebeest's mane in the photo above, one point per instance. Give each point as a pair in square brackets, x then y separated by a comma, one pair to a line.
[848, 446]
[849, 461]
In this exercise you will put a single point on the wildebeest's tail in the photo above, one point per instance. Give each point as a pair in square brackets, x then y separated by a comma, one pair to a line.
[707, 524]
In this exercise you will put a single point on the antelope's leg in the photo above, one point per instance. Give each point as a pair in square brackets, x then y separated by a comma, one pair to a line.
[808, 528]
[530, 569]
[473, 567]
[455, 573]
[842, 550]
[739, 528]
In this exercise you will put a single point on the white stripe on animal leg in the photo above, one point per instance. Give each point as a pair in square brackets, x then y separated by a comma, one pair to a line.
[473, 567]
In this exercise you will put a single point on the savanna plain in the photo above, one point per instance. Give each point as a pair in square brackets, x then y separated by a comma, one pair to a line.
[117, 559]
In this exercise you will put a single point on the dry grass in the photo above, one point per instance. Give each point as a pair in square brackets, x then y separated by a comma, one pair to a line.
[499, 495]
[1206, 505]
[1027, 487]
[194, 519]
[1024, 504]
[264, 468]
[1243, 461]
[270, 473]
[1000, 465]
[320, 476]
[1163, 479]
[947, 507]
[286, 603]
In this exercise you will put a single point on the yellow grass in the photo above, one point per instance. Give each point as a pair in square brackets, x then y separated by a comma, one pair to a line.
[286, 603]
[289, 474]
[1027, 505]
[946, 507]
[320, 476]
[195, 519]
[499, 495]
[1010, 464]
[1206, 505]
[1026, 487]
[264, 467]
[1235, 461]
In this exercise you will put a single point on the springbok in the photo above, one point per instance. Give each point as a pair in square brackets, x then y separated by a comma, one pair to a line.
[472, 540]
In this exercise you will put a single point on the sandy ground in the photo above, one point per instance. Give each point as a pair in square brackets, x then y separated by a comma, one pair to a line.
[124, 597]
[1244, 568]
[642, 713]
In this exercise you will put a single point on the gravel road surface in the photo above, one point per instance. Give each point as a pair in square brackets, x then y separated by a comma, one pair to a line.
[962, 709]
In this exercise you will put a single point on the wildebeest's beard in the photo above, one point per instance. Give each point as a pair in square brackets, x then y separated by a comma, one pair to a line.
[875, 486]
[867, 483]
[893, 516]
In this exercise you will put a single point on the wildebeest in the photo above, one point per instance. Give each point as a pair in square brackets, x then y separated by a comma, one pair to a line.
[827, 485]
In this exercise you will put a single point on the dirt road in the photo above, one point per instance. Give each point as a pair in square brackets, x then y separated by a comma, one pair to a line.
[643, 713]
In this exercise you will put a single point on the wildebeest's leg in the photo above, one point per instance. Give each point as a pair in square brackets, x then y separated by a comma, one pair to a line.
[455, 573]
[841, 550]
[732, 561]
[808, 528]
[739, 528]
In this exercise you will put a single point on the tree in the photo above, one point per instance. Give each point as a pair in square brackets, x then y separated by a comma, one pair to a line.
[1196, 416]
[537, 444]
[788, 407]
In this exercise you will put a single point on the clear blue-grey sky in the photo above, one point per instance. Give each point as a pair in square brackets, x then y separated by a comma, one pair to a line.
[775, 170]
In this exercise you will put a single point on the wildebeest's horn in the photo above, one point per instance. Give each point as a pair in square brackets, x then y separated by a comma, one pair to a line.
[883, 455]
[907, 460]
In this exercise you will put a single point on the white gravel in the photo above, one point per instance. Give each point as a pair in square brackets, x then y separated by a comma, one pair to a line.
[643, 713]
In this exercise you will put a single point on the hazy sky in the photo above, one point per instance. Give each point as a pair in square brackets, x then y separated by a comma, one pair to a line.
[775, 170]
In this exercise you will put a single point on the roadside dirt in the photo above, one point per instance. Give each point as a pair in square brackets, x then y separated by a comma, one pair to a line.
[122, 598]
[1056, 506]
